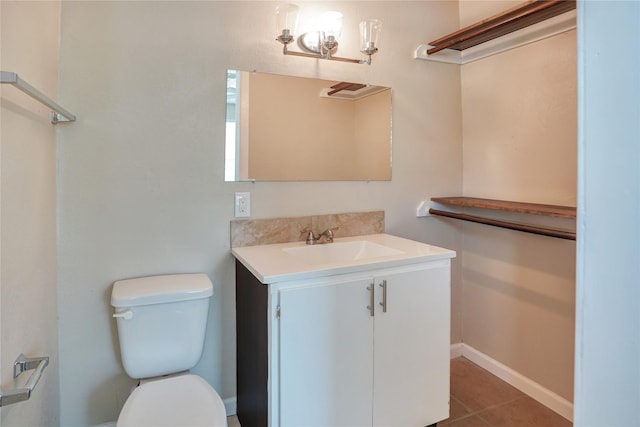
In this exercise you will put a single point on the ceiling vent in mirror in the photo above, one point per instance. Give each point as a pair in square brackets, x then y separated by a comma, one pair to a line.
[350, 91]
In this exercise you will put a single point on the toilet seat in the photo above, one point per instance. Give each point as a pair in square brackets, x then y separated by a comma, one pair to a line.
[182, 400]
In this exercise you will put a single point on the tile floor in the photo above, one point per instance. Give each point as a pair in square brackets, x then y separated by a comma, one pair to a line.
[480, 399]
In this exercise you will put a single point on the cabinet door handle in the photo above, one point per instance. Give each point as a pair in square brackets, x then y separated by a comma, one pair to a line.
[371, 307]
[383, 285]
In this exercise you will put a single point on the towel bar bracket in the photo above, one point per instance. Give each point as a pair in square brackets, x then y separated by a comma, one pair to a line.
[21, 364]
[59, 118]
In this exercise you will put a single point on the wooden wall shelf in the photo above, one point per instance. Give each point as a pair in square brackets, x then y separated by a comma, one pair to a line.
[528, 14]
[565, 212]
[509, 206]
[514, 19]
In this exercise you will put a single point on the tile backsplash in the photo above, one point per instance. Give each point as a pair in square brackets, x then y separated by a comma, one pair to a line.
[283, 230]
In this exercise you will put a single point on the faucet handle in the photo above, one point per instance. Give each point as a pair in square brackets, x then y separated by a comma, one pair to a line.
[328, 234]
[329, 231]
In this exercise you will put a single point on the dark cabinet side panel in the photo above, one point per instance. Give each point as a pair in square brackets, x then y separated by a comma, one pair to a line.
[251, 348]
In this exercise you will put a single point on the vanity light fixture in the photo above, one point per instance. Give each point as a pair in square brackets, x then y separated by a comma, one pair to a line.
[323, 43]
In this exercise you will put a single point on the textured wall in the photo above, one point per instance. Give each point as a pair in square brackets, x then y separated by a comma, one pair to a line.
[142, 186]
[520, 143]
[607, 388]
[29, 37]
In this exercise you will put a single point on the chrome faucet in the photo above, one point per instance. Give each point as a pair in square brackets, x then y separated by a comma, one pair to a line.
[325, 237]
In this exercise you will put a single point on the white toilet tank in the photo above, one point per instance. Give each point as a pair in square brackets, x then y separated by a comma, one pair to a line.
[161, 322]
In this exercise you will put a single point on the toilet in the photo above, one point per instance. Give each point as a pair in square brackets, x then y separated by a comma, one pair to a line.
[161, 323]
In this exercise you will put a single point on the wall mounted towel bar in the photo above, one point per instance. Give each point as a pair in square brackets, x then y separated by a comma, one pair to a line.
[21, 364]
[554, 211]
[543, 231]
[59, 114]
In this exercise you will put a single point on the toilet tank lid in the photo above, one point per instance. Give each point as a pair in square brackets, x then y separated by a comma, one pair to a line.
[160, 289]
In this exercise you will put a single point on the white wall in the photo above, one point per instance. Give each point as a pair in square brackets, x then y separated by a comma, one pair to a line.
[141, 187]
[520, 123]
[29, 37]
[607, 389]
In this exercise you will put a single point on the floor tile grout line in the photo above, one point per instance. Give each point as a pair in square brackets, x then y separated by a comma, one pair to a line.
[455, 420]
[479, 411]
[467, 408]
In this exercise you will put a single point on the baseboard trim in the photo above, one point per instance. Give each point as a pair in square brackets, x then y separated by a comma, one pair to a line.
[456, 350]
[529, 387]
[230, 405]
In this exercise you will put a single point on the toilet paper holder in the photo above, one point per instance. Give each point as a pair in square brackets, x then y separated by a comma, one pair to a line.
[21, 364]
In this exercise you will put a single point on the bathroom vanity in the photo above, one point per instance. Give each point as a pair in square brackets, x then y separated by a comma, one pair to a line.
[354, 332]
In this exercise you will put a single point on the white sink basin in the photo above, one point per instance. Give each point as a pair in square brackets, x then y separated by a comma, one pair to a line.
[281, 262]
[340, 252]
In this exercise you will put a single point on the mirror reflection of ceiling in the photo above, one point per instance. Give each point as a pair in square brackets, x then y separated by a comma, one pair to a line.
[284, 128]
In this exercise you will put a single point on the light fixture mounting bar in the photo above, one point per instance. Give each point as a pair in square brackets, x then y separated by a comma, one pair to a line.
[332, 58]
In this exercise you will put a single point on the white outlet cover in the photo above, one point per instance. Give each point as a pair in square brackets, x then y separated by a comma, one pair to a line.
[242, 204]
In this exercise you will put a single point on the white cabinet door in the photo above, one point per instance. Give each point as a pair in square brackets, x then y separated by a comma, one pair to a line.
[326, 363]
[412, 349]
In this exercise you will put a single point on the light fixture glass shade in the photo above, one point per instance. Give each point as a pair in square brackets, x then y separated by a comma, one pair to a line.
[286, 19]
[370, 36]
[330, 23]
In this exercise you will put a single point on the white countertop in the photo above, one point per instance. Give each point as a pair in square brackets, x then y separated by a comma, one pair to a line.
[272, 264]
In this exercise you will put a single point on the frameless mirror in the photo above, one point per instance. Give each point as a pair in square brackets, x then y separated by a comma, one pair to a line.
[284, 128]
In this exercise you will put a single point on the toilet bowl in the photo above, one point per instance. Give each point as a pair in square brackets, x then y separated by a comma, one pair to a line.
[161, 322]
[180, 400]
